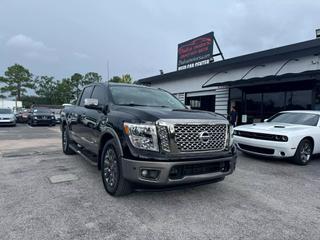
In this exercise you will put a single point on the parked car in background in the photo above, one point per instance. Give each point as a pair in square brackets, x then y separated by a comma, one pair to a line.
[41, 116]
[138, 135]
[57, 115]
[288, 134]
[22, 115]
[65, 106]
[7, 117]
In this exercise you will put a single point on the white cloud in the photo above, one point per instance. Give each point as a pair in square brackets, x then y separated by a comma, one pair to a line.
[81, 55]
[31, 49]
[25, 42]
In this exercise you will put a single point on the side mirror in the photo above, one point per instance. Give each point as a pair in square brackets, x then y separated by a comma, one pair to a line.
[266, 120]
[188, 107]
[91, 103]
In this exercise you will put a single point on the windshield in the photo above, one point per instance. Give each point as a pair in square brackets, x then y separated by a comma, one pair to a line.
[5, 111]
[42, 110]
[142, 96]
[296, 118]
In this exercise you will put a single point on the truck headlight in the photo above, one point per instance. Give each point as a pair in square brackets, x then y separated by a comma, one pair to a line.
[142, 136]
[231, 135]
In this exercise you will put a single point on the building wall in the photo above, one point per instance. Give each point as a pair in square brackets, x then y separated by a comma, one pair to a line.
[9, 104]
[192, 86]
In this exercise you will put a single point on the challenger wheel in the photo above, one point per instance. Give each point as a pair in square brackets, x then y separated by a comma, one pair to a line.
[304, 152]
[111, 172]
[66, 141]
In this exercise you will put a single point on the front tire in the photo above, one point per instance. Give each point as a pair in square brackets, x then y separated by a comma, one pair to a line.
[304, 152]
[111, 171]
[66, 141]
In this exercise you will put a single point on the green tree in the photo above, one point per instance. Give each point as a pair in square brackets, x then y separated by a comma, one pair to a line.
[17, 80]
[115, 79]
[64, 91]
[91, 77]
[76, 83]
[46, 87]
[28, 101]
[124, 79]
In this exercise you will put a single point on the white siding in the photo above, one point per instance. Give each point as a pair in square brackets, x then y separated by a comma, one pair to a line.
[192, 86]
[9, 104]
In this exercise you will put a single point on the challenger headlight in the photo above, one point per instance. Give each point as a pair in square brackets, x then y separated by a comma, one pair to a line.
[142, 136]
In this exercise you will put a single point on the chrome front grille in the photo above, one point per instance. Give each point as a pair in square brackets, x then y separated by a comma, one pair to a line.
[200, 137]
[163, 136]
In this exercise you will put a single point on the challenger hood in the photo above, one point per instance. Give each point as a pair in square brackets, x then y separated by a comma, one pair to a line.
[155, 113]
[272, 127]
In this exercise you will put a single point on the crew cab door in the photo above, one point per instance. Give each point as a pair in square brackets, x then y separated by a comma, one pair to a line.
[77, 119]
[96, 118]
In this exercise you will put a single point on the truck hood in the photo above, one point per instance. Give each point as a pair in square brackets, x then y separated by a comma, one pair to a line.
[272, 127]
[153, 114]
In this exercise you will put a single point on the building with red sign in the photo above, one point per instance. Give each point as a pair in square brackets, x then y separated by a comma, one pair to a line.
[258, 84]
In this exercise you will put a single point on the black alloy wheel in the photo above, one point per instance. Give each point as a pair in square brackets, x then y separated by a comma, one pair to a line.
[66, 141]
[111, 171]
[304, 152]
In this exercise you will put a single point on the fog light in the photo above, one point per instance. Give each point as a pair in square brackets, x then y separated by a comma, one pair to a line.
[144, 173]
[150, 174]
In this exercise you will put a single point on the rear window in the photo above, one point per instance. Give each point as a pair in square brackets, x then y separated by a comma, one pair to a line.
[5, 111]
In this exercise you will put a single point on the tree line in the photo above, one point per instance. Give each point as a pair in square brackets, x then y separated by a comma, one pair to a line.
[17, 80]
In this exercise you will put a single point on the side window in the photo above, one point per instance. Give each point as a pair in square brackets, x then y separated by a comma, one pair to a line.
[100, 93]
[85, 94]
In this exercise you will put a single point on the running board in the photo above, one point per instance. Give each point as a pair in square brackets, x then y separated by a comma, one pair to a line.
[82, 154]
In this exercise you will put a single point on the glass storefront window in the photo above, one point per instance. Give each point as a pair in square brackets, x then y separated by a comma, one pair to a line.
[273, 102]
[235, 93]
[299, 100]
[253, 102]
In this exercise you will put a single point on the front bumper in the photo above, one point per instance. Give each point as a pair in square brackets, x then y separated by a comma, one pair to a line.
[7, 123]
[195, 171]
[44, 122]
[264, 147]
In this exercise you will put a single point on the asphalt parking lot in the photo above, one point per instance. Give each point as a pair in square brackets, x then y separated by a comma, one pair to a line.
[263, 199]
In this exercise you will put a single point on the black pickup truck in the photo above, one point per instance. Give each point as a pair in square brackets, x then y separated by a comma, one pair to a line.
[141, 137]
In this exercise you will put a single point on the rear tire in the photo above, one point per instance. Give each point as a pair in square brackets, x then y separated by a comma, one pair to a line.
[111, 171]
[303, 153]
[66, 141]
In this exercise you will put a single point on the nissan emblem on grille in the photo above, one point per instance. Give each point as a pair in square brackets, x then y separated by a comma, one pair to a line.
[204, 137]
[200, 137]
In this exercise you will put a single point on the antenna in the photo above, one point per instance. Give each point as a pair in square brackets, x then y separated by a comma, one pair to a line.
[108, 71]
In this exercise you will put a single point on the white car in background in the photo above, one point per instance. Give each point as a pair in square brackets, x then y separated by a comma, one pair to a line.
[287, 134]
[7, 117]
